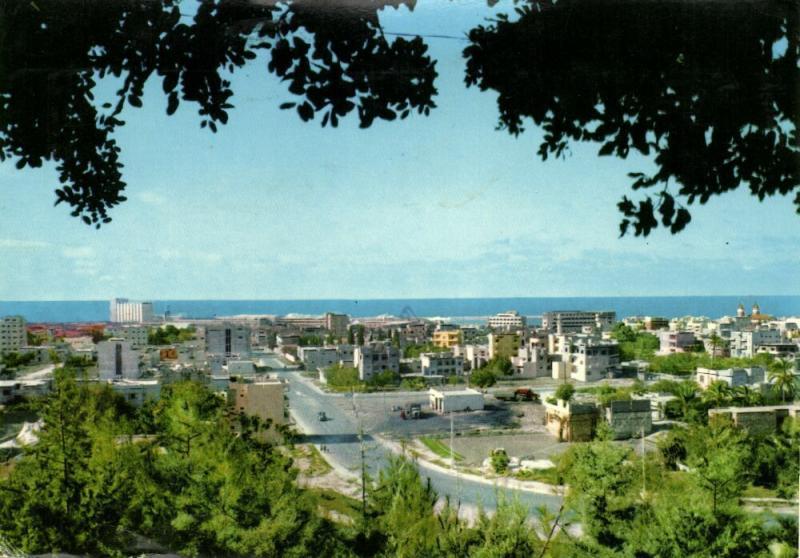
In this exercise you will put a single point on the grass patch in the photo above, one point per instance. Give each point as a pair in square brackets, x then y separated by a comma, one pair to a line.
[549, 475]
[441, 449]
[317, 464]
[759, 492]
[332, 501]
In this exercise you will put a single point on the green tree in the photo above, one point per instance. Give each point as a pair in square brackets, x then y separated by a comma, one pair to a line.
[565, 392]
[717, 456]
[499, 461]
[782, 375]
[482, 378]
[717, 394]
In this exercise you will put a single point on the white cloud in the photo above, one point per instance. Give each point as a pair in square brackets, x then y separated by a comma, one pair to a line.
[23, 244]
[151, 198]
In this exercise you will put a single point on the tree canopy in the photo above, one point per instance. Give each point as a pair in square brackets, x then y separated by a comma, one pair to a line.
[715, 109]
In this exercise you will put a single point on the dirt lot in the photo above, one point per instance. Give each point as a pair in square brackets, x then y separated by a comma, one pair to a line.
[538, 445]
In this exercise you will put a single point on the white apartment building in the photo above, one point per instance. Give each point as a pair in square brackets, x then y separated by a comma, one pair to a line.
[565, 321]
[510, 320]
[123, 310]
[476, 356]
[227, 340]
[583, 358]
[117, 360]
[671, 342]
[531, 360]
[137, 335]
[744, 344]
[374, 358]
[12, 334]
[315, 358]
[441, 364]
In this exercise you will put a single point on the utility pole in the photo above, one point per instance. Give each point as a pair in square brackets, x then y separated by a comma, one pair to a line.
[644, 478]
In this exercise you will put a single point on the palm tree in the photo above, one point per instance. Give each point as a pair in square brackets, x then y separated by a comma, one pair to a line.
[717, 394]
[685, 393]
[746, 396]
[782, 376]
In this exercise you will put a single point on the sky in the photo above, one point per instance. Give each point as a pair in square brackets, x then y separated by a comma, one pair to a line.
[440, 206]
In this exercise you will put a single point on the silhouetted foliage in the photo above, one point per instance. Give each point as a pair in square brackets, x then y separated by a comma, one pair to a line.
[335, 59]
[707, 89]
[695, 84]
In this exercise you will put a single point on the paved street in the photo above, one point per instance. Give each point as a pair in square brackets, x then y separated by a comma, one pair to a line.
[340, 435]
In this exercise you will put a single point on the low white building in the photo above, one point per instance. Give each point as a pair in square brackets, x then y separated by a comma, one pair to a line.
[136, 334]
[734, 377]
[136, 392]
[450, 401]
[441, 364]
[315, 358]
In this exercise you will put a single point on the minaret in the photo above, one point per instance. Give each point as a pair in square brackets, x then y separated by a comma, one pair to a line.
[740, 311]
[756, 310]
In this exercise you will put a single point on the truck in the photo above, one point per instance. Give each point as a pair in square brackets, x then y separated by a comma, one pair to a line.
[519, 394]
[321, 416]
[412, 410]
[526, 394]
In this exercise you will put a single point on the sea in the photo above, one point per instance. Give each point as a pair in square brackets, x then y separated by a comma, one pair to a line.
[457, 310]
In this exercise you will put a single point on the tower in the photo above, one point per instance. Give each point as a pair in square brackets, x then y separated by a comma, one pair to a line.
[740, 311]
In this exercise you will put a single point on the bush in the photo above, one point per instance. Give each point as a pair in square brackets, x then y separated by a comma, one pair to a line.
[499, 460]
[565, 392]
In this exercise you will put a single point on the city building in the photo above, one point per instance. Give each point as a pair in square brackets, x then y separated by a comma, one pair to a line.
[136, 392]
[734, 377]
[583, 358]
[374, 358]
[228, 340]
[441, 364]
[123, 310]
[575, 320]
[510, 320]
[744, 344]
[532, 360]
[136, 334]
[758, 421]
[337, 324]
[630, 419]
[12, 334]
[315, 358]
[117, 360]
[504, 345]
[453, 401]
[671, 342]
[785, 350]
[571, 422]
[654, 323]
[261, 398]
[447, 338]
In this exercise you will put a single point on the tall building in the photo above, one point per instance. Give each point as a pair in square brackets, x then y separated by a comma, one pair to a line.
[566, 321]
[117, 360]
[504, 345]
[12, 334]
[337, 324]
[506, 320]
[374, 358]
[123, 310]
[228, 339]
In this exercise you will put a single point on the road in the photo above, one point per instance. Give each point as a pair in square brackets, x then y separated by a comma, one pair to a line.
[340, 435]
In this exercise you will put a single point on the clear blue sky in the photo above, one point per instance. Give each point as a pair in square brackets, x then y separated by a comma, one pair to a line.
[443, 206]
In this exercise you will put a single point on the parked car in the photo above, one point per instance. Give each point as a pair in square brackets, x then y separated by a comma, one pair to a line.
[322, 416]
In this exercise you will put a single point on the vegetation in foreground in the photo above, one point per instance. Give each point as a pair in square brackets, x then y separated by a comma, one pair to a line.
[202, 481]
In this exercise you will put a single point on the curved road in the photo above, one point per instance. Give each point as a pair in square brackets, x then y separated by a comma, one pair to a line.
[340, 435]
